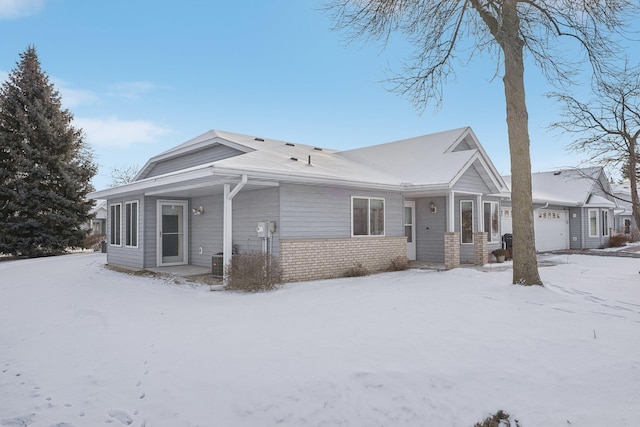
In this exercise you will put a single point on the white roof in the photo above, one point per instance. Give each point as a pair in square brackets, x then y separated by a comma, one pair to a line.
[429, 162]
[567, 187]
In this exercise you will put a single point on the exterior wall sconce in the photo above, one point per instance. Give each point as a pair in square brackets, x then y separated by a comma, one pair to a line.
[198, 211]
[433, 208]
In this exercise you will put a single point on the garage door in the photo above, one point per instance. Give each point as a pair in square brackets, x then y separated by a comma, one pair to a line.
[552, 229]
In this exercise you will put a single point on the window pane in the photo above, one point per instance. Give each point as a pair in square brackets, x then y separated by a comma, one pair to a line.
[593, 223]
[360, 220]
[377, 217]
[131, 224]
[408, 216]
[408, 232]
[466, 221]
[605, 223]
[115, 225]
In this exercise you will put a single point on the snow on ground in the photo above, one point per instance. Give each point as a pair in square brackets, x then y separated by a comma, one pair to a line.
[81, 345]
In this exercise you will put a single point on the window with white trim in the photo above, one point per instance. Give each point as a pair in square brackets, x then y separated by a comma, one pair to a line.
[605, 222]
[466, 221]
[115, 221]
[131, 224]
[491, 221]
[367, 216]
[593, 222]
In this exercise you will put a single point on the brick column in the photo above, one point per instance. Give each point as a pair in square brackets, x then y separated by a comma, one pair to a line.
[451, 250]
[480, 249]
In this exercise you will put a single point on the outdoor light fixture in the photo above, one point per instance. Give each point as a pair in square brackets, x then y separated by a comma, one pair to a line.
[198, 211]
[433, 208]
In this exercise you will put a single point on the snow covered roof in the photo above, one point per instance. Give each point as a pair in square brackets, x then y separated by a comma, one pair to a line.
[432, 162]
[568, 187]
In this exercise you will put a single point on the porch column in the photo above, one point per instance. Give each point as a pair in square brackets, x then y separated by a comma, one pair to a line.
[227, 218]
[480, 249]
[451, 238]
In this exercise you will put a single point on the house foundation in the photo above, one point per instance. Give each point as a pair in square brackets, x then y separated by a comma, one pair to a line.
[312, 259]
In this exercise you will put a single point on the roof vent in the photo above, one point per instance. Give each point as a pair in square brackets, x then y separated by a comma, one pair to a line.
[295, 159]
[317, 148]
[259, 139]
[557, 173]
[290, 144]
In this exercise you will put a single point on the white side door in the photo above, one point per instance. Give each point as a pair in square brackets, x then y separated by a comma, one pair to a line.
[172, 226]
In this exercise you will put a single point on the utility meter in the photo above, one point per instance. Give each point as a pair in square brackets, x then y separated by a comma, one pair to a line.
[265, 229]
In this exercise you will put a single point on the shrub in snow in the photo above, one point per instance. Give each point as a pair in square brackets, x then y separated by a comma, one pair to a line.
[400, 263]
[499, 419]
[356, 271]
[617, 241]
[253, 272]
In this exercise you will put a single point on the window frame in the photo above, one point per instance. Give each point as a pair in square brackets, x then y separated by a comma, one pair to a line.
[495, 209]
[595, 233]
[115, 220]
[130, 226]
[605, 226]
[384, 216]
[462, 241]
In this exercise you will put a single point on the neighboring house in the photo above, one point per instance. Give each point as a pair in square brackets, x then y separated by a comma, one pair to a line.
[433, 198]
[573, 209]
[624, 222]
[98, 224]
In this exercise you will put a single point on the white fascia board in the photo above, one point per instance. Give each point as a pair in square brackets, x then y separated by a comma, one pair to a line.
[310, 179]
[156, 181]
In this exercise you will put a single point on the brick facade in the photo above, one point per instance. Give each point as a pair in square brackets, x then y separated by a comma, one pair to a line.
[451, 250]
[480, 249]
[311, 259]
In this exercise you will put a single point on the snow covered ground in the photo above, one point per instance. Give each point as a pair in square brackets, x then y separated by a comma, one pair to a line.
[81, 345]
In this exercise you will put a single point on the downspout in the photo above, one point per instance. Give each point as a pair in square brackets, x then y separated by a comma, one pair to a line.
[227, 233]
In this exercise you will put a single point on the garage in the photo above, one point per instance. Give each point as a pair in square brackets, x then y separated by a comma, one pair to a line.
[552, 229]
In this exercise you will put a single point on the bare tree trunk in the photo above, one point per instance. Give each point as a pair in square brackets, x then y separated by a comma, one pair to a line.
[525, 263]
[633, 180]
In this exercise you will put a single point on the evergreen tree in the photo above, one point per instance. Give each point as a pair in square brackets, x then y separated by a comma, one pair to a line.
[45, 166]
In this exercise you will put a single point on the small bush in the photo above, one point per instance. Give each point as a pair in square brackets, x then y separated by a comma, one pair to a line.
[400, 263]
[92, 241]
[617, 241]
[356, 271]
[634, 236]
[253, 272]
[499, 252]
[499, 419]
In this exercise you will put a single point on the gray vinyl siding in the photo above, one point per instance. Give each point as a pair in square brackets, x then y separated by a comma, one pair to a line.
[206, 155]
[471, 181]
[205, 230]
[598, 241]
[150, 232]
[325, 212]
[251, 207]
[462, 146]
[576, 234]
[430, 229]
[122, 255]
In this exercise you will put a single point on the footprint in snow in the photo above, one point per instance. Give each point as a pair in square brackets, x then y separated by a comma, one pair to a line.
[22, 421]
[121, 416]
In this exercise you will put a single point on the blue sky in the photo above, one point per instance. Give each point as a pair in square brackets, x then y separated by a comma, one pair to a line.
[143, 76]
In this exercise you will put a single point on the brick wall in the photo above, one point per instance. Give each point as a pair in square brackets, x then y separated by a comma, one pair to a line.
[451, 250]
[311, 259]
[480, 249]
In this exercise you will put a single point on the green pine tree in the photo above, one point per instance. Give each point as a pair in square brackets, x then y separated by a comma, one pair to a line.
[45, 166]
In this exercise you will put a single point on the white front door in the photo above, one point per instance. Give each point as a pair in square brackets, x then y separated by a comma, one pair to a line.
[410, 228]
[172, 232]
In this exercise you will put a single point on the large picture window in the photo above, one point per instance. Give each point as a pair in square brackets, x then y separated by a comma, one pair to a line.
[115, 220]
[368, 216]
[466, 221]
[131, 224]
[491, 221]
[593, 222]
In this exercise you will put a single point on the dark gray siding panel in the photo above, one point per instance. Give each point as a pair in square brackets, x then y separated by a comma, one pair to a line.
[206, 155]
[316, 211]
[121, 255]
[430, 229]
